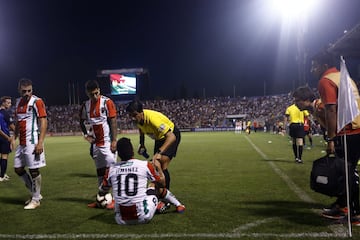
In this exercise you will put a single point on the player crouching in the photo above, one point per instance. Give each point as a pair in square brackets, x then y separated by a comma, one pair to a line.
[136, 199]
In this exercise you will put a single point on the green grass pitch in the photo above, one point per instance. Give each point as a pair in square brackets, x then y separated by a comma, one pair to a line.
[235, 186]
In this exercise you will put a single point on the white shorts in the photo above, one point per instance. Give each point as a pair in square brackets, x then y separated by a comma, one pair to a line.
[141, 212]
[25, 157]
[103, 156]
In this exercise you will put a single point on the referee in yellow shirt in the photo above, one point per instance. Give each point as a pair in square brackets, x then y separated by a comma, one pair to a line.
[160, 128]
[295, 117]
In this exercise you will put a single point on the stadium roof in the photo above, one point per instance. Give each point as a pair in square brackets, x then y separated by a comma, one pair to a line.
[349, 44]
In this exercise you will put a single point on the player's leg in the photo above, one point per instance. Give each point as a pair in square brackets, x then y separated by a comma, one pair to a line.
[103, 158]
[169, 197]
[3, 167]
[19, 167]
[295, 148]
[4, 153]
[310, 139]
[34, 163]
[148, 206]
[25, 177]
[299, 146]
[36, 184]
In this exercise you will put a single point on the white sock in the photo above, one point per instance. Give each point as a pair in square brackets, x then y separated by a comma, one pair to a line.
[171, 198]
[36, 188]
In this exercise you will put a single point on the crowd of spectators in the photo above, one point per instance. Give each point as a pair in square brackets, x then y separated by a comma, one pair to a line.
[187, 113]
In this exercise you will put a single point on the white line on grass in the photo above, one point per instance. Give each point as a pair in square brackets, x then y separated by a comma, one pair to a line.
[171, 235]
[338, 229]
[252, 224]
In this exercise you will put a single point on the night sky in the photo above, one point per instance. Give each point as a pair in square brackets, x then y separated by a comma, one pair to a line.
[211, 47]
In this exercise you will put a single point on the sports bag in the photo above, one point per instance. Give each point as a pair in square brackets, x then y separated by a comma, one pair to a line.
[328, 175]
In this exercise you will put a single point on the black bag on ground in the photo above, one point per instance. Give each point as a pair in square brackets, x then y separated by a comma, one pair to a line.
[328, 176]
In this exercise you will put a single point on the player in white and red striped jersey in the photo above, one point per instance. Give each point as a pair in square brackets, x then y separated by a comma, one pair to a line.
[100, 113]
[30, 110]
[135, 198]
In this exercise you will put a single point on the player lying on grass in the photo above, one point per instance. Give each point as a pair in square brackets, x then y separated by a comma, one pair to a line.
[135, 199]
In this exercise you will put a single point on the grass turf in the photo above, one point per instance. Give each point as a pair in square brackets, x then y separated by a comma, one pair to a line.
[233, 185]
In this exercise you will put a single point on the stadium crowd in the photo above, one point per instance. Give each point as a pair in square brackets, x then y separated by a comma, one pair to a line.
[187, 113]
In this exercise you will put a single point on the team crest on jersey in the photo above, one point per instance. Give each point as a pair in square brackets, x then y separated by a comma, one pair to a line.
[162, 127]
[103, 110]
[125, 164]
[30, 108]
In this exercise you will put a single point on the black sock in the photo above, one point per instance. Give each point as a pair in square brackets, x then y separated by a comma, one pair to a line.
[3, 165]
[167, 178]
[300, 151]
[295, 150]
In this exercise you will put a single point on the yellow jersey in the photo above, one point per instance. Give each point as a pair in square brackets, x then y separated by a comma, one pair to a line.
[156, 124]
[295, 114]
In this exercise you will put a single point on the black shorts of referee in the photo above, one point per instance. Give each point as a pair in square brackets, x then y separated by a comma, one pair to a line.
[296, 130]
[171, 151]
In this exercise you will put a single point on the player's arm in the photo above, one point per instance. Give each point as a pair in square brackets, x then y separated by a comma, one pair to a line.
[330, 121]
[141, 138]
[113, 130]
[5, 136]
[170, 138]
[39, 148]
[161, 181]
[83, 118]
[141, 147]
[16, 129]
[112, 113]
[286, 119]
[2, 133]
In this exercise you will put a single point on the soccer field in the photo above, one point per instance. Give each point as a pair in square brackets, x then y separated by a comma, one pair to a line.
[233, 185]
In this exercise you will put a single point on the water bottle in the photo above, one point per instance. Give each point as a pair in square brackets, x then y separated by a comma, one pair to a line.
[144, 153]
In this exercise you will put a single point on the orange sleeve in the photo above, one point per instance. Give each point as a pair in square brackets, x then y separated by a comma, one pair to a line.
[40, 105]
[153, 172]
[111, 107]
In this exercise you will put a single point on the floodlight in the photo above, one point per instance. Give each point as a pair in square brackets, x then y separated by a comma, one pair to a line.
[293, 8]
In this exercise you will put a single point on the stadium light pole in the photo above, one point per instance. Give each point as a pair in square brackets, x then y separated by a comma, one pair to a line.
[297, 11]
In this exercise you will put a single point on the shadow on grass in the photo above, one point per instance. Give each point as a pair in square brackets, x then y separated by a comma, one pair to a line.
[82, 175]
[11, 200]
[106, 216]
[74, 199]
[296, 212]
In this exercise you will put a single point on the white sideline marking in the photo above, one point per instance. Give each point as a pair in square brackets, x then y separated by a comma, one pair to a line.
[252, 224]
[171, 235]
[338, 229]
[298, 191]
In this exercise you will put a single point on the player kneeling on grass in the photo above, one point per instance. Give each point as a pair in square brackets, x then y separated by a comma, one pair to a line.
[135, 198]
